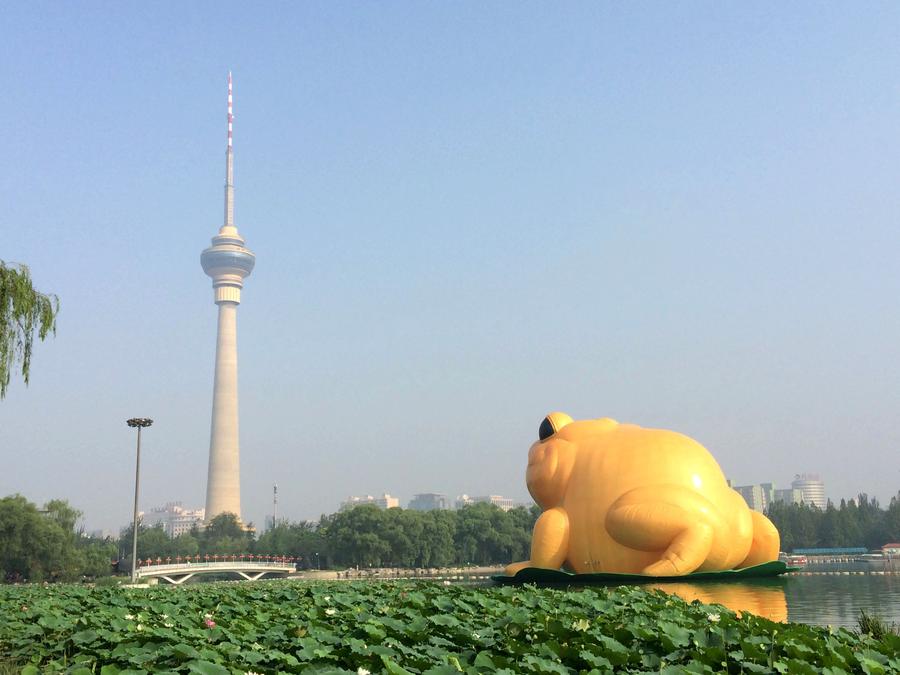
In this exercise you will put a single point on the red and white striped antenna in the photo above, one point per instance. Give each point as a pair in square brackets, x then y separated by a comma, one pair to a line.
[230, 109]
[229, 163]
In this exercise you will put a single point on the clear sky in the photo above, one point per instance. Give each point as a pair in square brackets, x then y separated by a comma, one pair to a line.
[465, 216]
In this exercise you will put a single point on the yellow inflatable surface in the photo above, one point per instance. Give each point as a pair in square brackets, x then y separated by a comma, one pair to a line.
[620, 498]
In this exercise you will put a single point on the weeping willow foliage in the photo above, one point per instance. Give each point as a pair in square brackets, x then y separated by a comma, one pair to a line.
[23, 311]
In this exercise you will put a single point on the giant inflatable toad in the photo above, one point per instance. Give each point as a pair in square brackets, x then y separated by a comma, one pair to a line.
[620, 498]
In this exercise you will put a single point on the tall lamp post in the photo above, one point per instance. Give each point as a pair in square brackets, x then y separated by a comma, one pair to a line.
[140, 423]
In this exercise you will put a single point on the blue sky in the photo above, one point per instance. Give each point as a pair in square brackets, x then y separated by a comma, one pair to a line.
[465, 215]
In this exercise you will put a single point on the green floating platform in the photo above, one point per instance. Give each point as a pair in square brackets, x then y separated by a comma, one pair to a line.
[537, 575]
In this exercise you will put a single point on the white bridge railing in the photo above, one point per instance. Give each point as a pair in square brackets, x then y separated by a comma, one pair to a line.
[178, 573]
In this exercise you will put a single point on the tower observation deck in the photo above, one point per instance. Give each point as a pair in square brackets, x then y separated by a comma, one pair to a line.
[228, 261]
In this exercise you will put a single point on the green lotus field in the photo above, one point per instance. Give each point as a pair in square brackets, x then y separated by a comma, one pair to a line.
[407, 627]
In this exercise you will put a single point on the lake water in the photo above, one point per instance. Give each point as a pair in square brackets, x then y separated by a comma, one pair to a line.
[818, 599]
[821, 595]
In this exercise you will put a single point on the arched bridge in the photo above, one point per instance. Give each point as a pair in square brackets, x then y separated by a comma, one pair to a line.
[180, 571]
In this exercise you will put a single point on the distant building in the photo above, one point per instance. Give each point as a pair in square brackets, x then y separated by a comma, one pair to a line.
[505, 503]
[463, 500]
[385, 501]
[174, 518]
[812, 489]
[789, 496]
[758, 497]
[805, 489]
[429, 501]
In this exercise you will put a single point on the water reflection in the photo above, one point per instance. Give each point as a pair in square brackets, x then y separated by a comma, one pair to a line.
[763, 597]
[823, 600]
[820, 599]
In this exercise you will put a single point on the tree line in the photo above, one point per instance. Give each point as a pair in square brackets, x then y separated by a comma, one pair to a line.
[45, 544]
[363, 536]
[854, 523]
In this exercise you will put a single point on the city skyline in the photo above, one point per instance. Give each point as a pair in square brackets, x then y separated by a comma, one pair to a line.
[470, 216]
[758, 496]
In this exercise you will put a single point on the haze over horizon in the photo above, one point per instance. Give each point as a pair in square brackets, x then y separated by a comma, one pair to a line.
[465, 217]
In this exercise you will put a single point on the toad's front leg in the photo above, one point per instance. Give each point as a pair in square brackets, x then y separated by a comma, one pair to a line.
[549, 542]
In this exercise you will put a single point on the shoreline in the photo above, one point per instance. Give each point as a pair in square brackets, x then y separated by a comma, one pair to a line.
[474, 573]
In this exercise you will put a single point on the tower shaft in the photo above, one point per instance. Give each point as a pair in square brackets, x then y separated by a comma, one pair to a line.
[223, 491]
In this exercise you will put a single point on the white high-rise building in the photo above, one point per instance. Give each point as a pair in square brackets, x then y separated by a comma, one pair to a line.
[463, 501]
[385, 501]
[504, 503]
[755, 496]
[429, 501]
[228, 262]
[788, 496]
[812, 489]
[174, 518]
[759, 496]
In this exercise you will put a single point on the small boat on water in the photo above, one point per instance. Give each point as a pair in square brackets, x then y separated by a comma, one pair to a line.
[793, 560]
[871, 558]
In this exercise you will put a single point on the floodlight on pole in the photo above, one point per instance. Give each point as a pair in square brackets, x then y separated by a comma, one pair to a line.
[140, 423]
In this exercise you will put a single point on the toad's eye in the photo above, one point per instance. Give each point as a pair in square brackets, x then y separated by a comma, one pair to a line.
[552, 423]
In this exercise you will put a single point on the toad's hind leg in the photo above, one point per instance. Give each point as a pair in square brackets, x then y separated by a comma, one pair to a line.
[766, 541]
[663, 518]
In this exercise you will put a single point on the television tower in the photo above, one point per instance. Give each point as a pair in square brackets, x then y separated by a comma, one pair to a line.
[227, 261]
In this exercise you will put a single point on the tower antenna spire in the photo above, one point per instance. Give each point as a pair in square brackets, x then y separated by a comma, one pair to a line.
[230, 108]
[229, 162]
